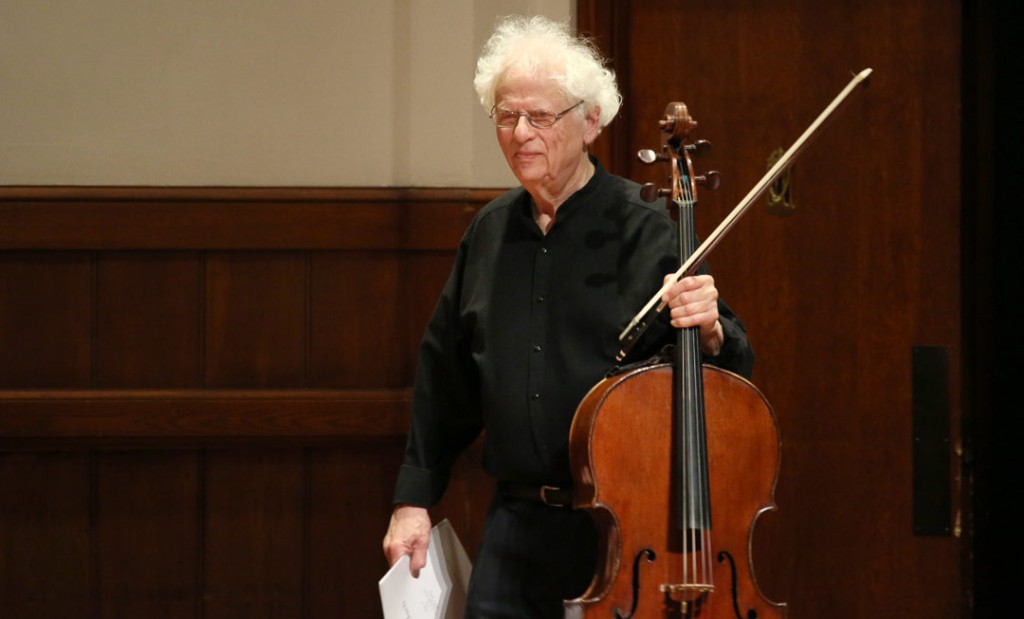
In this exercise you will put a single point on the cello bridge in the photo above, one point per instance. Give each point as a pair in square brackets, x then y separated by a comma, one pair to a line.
[686, 592]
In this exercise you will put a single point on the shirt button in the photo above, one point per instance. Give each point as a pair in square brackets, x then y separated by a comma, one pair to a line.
[540, 299]
[543, 250]
[537, 348]
[535, 396]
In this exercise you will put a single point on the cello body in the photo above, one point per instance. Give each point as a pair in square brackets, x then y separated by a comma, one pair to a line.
[620, 442]
[675, 461]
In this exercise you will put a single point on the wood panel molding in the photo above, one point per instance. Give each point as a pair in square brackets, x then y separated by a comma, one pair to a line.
[31, 417]
[236, 218]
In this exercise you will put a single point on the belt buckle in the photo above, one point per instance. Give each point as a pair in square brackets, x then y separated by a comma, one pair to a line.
[544, 496]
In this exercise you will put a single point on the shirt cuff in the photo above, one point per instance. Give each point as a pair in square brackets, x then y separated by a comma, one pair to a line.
[421, 487]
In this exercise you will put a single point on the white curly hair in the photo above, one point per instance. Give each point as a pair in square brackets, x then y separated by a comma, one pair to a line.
[538, 45]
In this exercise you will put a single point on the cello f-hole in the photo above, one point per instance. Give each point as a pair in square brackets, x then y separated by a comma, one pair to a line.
[751, 613]
[645, 554]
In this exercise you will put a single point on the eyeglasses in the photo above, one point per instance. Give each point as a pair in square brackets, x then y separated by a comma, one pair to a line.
[540, 119]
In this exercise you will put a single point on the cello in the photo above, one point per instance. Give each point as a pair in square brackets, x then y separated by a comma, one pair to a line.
[662, 451]
[676, 460]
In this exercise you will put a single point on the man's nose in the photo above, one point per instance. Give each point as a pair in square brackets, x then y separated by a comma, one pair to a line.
[523, 129]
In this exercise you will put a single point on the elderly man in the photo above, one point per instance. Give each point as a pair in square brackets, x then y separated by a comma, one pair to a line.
[545, 278]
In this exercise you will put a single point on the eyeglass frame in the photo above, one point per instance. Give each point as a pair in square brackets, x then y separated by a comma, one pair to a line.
[529, 119]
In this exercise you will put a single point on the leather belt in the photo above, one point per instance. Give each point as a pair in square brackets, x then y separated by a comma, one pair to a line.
[549, 495]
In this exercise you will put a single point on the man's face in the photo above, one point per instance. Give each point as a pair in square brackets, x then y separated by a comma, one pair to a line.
[543, 157]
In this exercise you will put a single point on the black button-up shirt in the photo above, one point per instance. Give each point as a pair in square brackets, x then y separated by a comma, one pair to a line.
[528, 323]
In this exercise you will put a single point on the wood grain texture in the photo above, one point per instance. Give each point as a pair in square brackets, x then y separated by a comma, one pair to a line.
[204, 395]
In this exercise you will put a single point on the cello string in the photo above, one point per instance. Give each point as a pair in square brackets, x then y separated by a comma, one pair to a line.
[685, 215]
[695, 563]
[697, 492]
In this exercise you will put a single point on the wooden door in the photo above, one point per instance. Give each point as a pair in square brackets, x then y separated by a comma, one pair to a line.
[852, 297]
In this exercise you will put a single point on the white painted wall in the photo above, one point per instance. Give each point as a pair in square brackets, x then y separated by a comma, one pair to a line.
[256, 93]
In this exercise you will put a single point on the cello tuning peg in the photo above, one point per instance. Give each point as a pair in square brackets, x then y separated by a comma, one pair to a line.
[650, 192]
[710, 180]
[699, 148]
[648, 157]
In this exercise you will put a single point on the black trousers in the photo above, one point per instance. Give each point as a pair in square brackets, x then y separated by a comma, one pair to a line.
[532, 556]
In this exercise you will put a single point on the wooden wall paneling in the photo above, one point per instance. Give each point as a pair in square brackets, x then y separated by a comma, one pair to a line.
[350, 492]
[836, 295]
[256, 319]
[148, 539]
[432, 233]
[149, 320]
[127, 218]
[45, 546]
[128, 418]
[606, 23]
[358, 320]
[176, 361]
[255, 534]
[45, 319]
[236, 218]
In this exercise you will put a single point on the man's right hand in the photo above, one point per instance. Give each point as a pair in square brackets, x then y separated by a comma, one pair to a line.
[408, 534]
